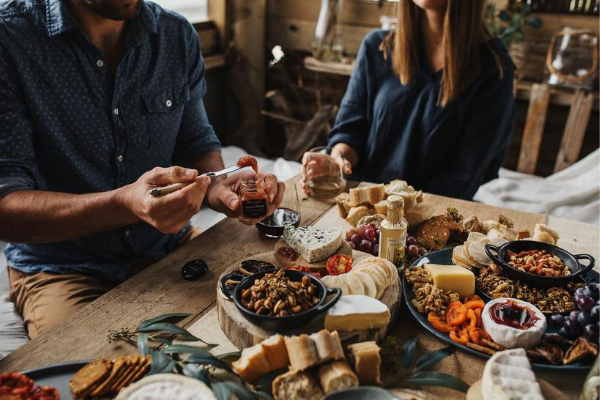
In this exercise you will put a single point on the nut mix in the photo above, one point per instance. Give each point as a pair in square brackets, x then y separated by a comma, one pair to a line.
[538, 262]
[428, 297]
[275, 295]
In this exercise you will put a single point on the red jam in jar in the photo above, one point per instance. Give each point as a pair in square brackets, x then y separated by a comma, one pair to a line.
[514, 315]
[248, 161]
[253, 198]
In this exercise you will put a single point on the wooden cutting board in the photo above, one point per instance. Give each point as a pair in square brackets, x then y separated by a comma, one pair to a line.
[242, 333]
[549, 391]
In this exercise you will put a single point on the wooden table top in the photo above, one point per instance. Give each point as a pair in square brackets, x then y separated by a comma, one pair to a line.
[160, 288]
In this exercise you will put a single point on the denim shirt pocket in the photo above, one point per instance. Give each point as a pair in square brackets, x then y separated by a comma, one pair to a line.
[164, 109]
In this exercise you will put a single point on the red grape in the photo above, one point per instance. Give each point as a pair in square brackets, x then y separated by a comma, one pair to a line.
[411, 241]
[557, 319]
[376, 249]
[585, 303]
[350, 233]
[356, 239]
[373, 226]
[591, 332]
[361, 229]
[422, 251]
[413, 251]
[572, 327]
[352, 245]
[573, 315]
[366, 246]
[369, 234]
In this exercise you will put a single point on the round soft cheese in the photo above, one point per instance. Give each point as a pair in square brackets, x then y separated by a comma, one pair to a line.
[508, 336]
[167, 386]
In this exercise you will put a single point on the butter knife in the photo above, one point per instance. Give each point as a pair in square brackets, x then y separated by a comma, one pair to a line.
[161, 191]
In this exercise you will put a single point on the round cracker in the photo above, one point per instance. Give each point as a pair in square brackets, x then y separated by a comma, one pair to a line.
[368, 284]
[378, 276]
[390, 269]
[355, 286]
[336, 281]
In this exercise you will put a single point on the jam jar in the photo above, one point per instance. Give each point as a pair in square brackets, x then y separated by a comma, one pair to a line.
[253, 198]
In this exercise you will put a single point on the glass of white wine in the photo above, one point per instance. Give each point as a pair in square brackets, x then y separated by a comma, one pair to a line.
[325, 178]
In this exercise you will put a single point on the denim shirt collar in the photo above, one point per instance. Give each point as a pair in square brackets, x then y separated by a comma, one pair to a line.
[60, 18]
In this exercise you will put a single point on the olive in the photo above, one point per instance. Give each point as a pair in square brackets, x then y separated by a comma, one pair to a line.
[194, 270]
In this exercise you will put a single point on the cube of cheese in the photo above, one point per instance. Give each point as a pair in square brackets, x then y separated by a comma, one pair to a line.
[453, 278]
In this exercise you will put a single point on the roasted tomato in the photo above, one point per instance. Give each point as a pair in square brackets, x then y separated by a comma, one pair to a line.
[304, 269]
[44, 393]
[456, 313]
[339, 264]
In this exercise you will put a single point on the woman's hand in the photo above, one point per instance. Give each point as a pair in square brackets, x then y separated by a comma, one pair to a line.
[320, 164]
[223, 196]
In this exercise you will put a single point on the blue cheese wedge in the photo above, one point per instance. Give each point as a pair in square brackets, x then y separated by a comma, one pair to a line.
[313, 243]
[508, 376]
[357, 312]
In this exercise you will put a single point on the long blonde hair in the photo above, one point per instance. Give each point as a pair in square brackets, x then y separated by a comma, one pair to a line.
[465, 33]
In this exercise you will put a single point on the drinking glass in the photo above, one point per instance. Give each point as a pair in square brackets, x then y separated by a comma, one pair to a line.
[325, 178]
[288, 213]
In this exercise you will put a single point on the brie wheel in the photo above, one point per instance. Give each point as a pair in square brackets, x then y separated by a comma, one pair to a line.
[167, 386]
[508, 376]
[508, 336]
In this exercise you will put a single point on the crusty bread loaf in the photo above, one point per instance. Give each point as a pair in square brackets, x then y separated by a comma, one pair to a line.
[356, 213]
[342, 203]
[337, 375]
[276, 352]
[381, 207]
[302, 352]
[370, 194]
[329, 346]
[297, 385]
[541, 233]
[366, 362]
[252, 364]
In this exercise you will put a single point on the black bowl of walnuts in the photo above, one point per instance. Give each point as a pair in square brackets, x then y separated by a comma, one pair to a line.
[281, 300]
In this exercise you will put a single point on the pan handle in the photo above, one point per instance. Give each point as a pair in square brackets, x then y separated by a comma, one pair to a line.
[328, 304]
[585, 269]
[492, 253]
[224, 279]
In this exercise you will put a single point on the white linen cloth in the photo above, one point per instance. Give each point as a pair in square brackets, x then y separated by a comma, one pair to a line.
[573, 193]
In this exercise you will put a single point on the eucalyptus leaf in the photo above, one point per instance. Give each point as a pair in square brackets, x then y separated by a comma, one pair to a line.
[172, 328]
[142, 344]
[263, 395]
[221, 391]
[430, 359]
[534, 22]
[182, 348]
[161, 318]
[265, 382]
[215, 362]
[197, 372]
[161, 363]
[240, 390]
[408, 352]
[230, 357]
[438, 379]
[163, 339]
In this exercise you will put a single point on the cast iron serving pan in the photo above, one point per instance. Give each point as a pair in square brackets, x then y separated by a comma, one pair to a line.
[500, 256]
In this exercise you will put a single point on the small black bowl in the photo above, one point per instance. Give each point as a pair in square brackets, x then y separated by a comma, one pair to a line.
[289, 322]
[500, 256]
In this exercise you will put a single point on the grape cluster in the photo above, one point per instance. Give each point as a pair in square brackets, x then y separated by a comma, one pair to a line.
[364, 238]
[585, 321]
[413, 250]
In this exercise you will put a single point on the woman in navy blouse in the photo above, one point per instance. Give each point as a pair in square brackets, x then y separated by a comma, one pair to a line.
[430, 103]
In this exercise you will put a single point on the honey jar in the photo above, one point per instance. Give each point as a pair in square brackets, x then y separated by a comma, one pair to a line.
[253, 198]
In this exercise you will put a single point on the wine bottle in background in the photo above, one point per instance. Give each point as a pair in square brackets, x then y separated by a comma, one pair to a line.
[392, 232]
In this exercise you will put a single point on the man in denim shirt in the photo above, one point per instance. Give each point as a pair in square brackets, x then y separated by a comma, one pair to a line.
[100, 101]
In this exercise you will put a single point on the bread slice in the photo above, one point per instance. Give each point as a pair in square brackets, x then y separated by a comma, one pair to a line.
[329, 346]
[381, 207]
[276, 352]
[252, 364]
[541, 233]
[357, 213]
[297, 385]
[366, 362]
[337, 376]
[342, 203]
[370, 194]
[302, 352]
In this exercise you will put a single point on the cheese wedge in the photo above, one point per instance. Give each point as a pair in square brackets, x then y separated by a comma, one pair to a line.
[357, 312]
[313, 243]
[508, 376]
[167, 386]
[453, 278]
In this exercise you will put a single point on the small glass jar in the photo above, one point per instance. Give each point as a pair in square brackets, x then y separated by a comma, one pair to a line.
[253, 198]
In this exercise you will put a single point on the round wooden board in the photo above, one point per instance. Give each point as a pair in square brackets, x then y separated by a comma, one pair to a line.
[243, 334]
[320, 266]
[549, 391]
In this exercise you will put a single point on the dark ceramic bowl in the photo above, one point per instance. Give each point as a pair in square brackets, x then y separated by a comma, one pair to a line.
[290, 322]
[500, 256]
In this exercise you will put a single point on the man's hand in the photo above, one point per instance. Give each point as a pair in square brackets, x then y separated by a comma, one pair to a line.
[223, 195]
[171, 212]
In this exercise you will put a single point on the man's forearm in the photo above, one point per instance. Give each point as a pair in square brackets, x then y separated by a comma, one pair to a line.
[32, 216]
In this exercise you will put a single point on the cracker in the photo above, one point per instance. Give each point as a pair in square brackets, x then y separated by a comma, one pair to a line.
[355, 286]
[373, 263]
[89, 377]
[131, 363]
[378, 277]
[118, 366]
[368, 283]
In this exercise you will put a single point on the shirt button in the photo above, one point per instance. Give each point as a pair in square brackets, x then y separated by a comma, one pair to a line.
[100, 63]
[169, 103]
[116, 111]
[120, 157]
[127, 232]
